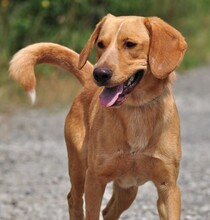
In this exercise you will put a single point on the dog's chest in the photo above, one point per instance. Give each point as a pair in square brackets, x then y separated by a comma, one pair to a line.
[138, 131]
[127, 168]
[136, 138]
[121, 154]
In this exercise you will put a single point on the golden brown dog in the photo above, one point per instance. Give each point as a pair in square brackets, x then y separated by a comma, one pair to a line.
[126, 128]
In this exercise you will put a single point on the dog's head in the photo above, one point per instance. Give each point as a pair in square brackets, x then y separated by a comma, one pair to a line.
[134, 57]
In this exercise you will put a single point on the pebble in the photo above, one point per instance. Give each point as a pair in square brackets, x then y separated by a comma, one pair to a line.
[34, 178]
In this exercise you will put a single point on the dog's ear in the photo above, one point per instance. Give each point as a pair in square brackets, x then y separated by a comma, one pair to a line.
[90, 44]
[167, 47]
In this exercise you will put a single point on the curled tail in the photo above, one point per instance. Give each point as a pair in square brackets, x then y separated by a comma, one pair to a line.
[22, 64]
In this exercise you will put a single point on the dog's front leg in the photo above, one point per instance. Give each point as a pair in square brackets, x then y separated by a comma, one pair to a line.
[169, 202]
[94, 190]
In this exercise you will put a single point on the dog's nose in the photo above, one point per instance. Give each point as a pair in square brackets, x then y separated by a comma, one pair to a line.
[102, 75]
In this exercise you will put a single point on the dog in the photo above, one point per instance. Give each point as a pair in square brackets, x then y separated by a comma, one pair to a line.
[124, 125]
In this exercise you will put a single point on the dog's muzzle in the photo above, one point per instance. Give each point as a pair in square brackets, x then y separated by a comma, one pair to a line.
[115, 96]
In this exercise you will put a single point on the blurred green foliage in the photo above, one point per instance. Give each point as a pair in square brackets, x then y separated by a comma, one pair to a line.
[70, 23]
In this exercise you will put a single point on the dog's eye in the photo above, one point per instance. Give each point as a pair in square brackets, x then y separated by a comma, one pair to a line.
[100, 44]
[129, 44]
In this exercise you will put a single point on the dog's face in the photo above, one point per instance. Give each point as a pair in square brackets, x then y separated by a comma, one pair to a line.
[134, 56]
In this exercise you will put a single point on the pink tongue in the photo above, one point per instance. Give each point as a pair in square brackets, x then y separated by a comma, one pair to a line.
[110, 95]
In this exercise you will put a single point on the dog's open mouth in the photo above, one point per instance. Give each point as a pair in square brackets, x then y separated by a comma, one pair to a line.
[114, 96]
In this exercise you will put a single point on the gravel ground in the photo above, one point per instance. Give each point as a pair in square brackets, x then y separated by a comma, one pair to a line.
[33, 160]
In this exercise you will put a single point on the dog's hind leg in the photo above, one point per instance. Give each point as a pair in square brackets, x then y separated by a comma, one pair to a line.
[75, 196]
[119, 202]
[77, 163]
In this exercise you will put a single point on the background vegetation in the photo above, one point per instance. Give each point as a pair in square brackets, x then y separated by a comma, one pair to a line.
[70, 22]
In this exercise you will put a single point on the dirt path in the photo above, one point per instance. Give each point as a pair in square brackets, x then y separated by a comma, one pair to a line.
[33, 161]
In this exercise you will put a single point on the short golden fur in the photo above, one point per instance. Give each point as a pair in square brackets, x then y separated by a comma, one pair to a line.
[124, 127]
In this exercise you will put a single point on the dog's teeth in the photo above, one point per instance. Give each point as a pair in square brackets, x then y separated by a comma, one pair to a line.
[130, 80]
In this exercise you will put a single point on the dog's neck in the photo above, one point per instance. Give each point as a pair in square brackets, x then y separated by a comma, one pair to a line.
[140, 127]
[158, 98]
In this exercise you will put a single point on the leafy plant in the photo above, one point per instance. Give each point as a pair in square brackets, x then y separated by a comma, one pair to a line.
[70, 22]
